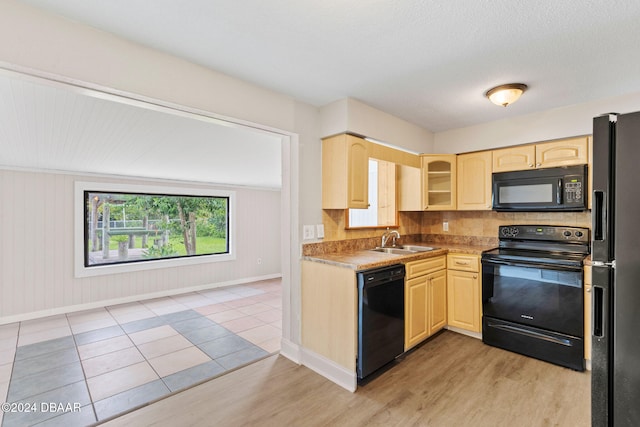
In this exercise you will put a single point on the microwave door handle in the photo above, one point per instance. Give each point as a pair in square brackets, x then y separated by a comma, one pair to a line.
[559, 193]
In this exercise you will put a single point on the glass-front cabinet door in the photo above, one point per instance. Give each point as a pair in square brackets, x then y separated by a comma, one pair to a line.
[439, 182]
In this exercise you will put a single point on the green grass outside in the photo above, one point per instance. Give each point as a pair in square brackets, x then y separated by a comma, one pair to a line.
[204, 245]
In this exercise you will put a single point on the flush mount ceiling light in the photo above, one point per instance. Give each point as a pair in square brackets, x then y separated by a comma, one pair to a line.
[506, 94]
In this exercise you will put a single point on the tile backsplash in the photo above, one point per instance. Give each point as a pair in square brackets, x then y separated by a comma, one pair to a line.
[461, 223]
[485, 223]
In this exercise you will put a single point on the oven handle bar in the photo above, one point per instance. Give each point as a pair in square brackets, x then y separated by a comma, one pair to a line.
[532, 265]
[529, 333]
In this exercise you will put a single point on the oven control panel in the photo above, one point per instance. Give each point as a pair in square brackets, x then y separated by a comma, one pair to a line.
[544, 232]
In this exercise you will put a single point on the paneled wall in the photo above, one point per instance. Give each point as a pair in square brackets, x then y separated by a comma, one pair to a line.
[36, 247]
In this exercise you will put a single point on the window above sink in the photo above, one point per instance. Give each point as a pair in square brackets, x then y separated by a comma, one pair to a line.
[382, 210]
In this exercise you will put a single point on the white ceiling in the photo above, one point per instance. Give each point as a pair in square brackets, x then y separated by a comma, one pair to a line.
[54, 127]
[427, 61]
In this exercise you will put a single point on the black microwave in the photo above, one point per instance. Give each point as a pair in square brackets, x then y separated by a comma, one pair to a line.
[532, 190]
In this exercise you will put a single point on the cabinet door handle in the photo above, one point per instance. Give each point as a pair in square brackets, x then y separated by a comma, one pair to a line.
[462, 263]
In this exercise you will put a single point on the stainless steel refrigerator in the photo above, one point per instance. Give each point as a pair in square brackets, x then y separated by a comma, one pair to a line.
[615, 377]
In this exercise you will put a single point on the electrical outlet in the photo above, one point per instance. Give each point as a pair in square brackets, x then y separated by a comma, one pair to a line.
[320, 231]
[445, 226]
[307, 232]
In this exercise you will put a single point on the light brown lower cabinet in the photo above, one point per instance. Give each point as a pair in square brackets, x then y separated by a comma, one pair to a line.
[425, 299]
[464, 292]
[330, 312]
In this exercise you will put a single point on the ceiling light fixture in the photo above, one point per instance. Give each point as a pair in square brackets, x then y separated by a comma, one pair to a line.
[506, 94]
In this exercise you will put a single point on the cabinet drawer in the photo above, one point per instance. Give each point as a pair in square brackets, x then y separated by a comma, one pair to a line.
[426, 266]
[463, 262]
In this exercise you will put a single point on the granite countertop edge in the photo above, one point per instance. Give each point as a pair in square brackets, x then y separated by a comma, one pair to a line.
[366, 259]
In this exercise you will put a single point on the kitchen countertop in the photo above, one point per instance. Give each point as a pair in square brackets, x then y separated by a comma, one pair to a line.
[366, 259]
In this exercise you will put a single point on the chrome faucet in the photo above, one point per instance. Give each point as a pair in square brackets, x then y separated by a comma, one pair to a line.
[393, 234]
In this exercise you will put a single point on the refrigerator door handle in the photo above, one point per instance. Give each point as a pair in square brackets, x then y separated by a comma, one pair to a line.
[600, 312]
[599, 215]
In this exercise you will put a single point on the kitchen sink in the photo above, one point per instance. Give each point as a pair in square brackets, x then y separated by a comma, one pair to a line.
[404, 249]
[396, 251]
[417, 248]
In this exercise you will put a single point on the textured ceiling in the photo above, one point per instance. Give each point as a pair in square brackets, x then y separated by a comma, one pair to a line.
[427, 61]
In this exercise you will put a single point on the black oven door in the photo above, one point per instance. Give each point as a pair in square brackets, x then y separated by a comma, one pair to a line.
[548, 297]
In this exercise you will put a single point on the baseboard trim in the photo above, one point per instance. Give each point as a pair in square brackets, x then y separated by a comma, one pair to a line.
[290, 350]
[329, 369]
[477, 335]
[104, 303]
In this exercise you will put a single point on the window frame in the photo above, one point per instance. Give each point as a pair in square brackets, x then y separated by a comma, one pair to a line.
[104, 269]
[374, 200]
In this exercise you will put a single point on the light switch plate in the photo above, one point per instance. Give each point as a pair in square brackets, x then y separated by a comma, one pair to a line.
[445, 226]
[320, 231]
[307, 232]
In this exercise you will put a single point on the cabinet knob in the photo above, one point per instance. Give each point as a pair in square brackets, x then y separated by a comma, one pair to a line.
[589, 290]
[475, 276]
[530, 165]
[538, 165]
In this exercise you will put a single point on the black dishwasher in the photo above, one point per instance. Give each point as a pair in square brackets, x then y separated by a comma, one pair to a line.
[380, 318]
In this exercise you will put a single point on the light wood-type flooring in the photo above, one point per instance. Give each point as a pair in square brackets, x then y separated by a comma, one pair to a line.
[451, 380]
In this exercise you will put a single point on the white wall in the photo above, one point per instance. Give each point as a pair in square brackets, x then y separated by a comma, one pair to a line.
[37, 246]
[307, 126]
[67, 51]
[557, 123]
[350, 115]
[39, 41]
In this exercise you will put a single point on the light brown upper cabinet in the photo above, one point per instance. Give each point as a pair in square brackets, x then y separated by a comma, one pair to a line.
[565, 152]
[345, 172]
[514, 158]
[439, 182]
[474, 181]
[409, 188]
[386, 193]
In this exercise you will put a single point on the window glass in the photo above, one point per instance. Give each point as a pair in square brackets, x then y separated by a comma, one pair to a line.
[382, 198]
[136, 227]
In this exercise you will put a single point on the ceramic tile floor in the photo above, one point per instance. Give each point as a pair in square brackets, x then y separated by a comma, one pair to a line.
[80, 368]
